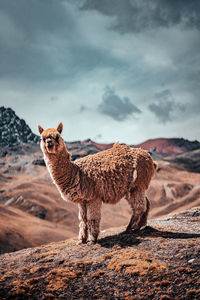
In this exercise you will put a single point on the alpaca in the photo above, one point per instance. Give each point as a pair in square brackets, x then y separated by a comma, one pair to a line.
[107, 176]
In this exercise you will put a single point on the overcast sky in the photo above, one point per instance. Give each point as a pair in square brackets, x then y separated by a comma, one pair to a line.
[125, 70]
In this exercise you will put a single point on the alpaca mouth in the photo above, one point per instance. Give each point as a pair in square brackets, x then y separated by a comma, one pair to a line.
[49, 146]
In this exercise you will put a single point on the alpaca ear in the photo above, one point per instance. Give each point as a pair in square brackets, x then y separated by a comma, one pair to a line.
[40, 129]
[60, 127]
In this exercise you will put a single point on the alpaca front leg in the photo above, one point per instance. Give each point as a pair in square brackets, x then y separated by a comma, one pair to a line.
[83, 228]
[93, 220]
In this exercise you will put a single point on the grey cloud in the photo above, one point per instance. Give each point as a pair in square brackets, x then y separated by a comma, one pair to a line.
[115, 107]
[98, 136]
[165, 106]
[37, 17]
[54, 98]
[83, 108]
[137, 15]
[43, 43]
[26, 55]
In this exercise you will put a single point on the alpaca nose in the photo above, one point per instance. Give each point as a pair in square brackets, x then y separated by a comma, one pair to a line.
[49, 141]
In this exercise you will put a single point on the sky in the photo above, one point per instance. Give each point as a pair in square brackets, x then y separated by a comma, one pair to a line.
[110, 70]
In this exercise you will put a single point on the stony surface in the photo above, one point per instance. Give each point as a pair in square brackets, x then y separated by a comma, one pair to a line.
[160, 262]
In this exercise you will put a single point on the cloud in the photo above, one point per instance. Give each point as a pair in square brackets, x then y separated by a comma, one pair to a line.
[83, 108]
[115, 107]
[43, 42]
[165, 106]
[136, 15]
[98, 136]
[52, 49]
[54, 98]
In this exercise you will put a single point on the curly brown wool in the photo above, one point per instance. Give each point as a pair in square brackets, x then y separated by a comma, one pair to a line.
[107, 176]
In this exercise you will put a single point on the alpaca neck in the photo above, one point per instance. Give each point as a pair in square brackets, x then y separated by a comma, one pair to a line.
[61, 169]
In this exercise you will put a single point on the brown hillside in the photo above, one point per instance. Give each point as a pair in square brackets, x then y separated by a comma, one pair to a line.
[167, 146]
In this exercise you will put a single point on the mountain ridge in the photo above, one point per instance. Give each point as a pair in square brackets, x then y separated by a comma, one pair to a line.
[15, 131]
[167, 146]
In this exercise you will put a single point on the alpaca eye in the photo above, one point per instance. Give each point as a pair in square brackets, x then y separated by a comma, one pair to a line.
[57, 138]
[43, 139]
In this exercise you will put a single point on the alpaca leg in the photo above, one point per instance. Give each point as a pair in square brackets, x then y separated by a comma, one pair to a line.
[143, 219]
[83, 228]
[93, 221]
[138, 203]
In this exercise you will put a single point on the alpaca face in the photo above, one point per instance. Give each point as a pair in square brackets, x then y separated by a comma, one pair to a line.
[51, 141]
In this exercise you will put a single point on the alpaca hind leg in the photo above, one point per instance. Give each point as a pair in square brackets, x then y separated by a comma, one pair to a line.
[138, 205]
[83, 227]
[93, 221]
[133, 220]
[143, 219]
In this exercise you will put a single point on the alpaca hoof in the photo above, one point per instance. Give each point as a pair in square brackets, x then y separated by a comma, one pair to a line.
[128, 230]
[93, 242]
[136, 230]
[80, 242]
[132, 230]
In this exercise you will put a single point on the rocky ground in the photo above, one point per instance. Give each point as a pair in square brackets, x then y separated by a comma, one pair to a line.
[160, 262]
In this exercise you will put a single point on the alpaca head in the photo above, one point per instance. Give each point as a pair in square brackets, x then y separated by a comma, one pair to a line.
[51, 140]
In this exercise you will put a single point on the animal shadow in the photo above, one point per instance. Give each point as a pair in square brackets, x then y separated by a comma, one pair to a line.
[127, 239]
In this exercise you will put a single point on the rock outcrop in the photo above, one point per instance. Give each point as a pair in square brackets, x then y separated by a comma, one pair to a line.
[13, 130]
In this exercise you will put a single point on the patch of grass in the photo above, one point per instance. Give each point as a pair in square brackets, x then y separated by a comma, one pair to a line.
[9, 275]
[164, 283]
[193, 292]
[59, 278]
[135, 262]
[165, 297]
[20, 288]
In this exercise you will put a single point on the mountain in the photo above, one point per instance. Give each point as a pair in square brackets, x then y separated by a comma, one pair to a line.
[188, 160]
[167, 146]
[79, 149]
[13, 130]
[160, 262]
